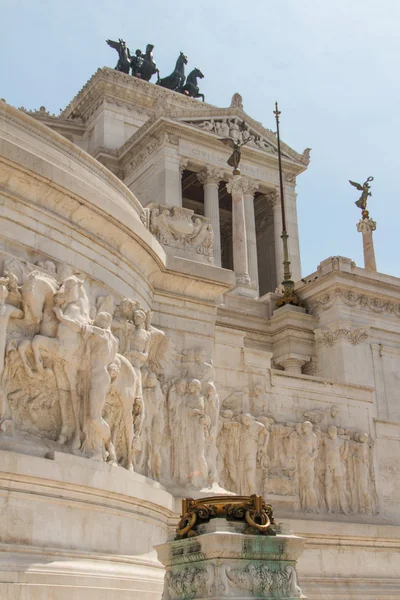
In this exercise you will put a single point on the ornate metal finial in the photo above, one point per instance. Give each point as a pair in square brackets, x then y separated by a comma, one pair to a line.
[362, 201]
[277, 112]
[289, 296]
[249, 509]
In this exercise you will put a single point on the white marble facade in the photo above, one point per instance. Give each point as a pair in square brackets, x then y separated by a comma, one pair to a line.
[135, 370]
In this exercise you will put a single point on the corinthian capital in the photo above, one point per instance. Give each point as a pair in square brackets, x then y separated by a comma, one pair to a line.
[236, 185]
[273, 197]
[250, 187]
[210, 175]
[366, 225]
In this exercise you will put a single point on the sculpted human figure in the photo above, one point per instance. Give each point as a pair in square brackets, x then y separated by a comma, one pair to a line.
[259, 400]
[229, 449]
[14, 295]
[175, 400]
[137, 351]
[122, 325]
[203, 369]
[250, 440]
[153, 426]
[7, 312]
[307, 452]
[101, 348]
[263, 443]
[362, 468]
[195, 430]
[212, 412]
[335, 454]
[66, 350]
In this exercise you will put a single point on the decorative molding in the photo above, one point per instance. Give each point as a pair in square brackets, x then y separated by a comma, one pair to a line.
[350, 298]
[329, 337]
[180, 228]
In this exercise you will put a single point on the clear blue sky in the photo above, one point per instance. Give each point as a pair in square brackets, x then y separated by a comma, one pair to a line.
[333, 65]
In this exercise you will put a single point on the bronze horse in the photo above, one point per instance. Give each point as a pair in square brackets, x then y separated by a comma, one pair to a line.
[176, 80]
[191, 88]
[124, 56]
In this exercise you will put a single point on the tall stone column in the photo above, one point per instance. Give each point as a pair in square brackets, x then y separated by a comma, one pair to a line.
[235, 187]
[249, 189]
[210, 179]
[275, 200]
[183, 163]
[366, 227]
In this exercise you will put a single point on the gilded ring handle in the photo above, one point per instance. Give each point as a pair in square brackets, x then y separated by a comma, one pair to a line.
[190, 523]
[266, 523]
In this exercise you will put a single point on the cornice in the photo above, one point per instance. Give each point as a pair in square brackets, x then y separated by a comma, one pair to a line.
[161, 124]
[53, 138]
[128, 88]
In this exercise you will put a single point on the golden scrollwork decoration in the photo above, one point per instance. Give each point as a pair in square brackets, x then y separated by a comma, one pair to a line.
[249, 509]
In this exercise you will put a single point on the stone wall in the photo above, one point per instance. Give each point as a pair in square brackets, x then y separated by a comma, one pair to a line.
[129, 379]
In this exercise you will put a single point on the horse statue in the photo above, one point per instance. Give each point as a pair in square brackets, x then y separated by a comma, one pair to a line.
[191, 88]
[148, 67]
[65, 347]
[176, 80]
[124, 56]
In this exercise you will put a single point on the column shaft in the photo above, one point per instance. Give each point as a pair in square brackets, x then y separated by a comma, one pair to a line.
[211, 211]
[366, 227]
[239, 237]
[251, 237]
[278, 241]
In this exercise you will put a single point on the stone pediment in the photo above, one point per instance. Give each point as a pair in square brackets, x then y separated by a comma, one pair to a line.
[233, 122]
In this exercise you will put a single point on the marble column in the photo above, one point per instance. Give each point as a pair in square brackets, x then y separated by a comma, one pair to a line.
[250, 187]
[210, 179]
[366, 227]
[235, 187]
[183, 163]
[275, 200]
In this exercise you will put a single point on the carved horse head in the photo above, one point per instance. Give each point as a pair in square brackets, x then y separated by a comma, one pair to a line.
[182, 60]
[73, 292]
[37, 293]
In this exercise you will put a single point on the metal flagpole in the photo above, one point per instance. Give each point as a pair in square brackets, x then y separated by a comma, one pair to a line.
[289, 296]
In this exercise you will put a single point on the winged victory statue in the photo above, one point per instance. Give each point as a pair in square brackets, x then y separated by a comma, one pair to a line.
[362, 201]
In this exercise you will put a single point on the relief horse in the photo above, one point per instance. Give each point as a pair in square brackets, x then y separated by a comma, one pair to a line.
[177, 78]
[191, 88]
[65, 347]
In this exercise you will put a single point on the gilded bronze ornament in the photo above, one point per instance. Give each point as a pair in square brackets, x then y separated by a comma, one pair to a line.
[362, 201]
[249, 509]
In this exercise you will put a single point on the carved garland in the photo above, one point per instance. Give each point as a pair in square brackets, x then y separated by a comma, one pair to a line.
[350, 298]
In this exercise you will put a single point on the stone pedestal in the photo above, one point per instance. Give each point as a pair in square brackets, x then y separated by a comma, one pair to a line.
[223, 561]
[366, 227]
[210, 179]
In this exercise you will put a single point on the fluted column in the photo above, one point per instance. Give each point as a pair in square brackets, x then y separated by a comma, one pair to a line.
[366, 227]
[210, 179]
[275, 200]
[239, 238]
[249, 189]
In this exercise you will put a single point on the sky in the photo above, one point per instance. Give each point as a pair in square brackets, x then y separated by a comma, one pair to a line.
[333, 66]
